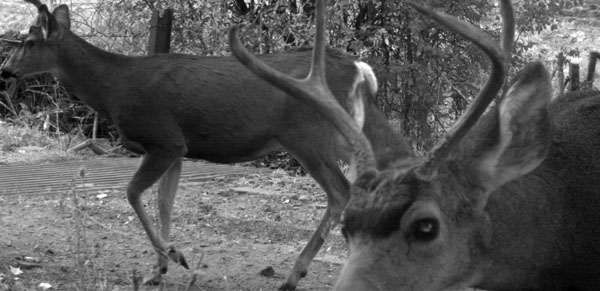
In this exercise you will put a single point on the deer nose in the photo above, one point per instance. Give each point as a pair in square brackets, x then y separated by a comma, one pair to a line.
[4, 76]
[7, 74]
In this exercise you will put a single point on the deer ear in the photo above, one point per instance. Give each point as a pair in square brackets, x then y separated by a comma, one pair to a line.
[523, 129]
[61, 14]
[53, 24]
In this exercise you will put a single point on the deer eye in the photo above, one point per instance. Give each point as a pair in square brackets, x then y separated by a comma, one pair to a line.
[425, 229]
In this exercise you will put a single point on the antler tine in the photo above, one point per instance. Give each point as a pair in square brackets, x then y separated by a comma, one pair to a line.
[313, 90]
[37, 3]
[499, 55]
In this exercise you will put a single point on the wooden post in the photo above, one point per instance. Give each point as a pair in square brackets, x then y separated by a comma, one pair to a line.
[160, 31]
[594, 56]
[574, 74]
[560, 63]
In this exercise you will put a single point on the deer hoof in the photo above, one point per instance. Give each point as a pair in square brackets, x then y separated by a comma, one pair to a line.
[287, 286]
[177, 257]
[153, 279]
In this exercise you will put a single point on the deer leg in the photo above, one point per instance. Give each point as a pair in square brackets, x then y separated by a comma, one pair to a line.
[324, 169]
[167, 187]
[153, 166]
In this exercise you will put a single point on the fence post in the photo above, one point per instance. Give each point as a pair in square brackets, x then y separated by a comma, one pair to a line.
[560, 63]
[574, 76]
[160, 31]
[594, 56]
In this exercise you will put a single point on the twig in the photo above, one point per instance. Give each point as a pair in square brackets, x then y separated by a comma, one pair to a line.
[8, 96]
[88, 143]
[13, 41]
[135, 280]
[104, 226]
[8, 108]
[95, 130]
[197, 272]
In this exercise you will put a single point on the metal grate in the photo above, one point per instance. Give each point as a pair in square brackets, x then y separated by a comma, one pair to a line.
[101, 173]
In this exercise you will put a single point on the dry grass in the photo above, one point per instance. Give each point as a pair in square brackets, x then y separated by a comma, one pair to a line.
[21, 144]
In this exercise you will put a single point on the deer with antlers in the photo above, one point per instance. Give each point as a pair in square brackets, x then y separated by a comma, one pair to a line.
[170, 106]
[509, 200]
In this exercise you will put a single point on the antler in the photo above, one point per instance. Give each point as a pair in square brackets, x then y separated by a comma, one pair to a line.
[37, 3]
[499, 56]
[313, 90]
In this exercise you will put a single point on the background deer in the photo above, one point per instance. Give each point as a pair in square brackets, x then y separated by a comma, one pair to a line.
[508, 201]
[173, 106]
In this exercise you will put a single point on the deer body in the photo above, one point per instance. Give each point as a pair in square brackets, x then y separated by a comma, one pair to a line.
[546, 225]
[173, 106]
[205, 106]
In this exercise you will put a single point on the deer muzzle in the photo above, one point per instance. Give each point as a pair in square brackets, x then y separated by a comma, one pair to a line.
[7, 74]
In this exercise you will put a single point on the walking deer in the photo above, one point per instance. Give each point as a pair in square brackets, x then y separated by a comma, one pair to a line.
[170, 106]
[508, 201]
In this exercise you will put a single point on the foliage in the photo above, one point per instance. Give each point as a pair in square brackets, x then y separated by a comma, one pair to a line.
[427, 74]
[23, 144]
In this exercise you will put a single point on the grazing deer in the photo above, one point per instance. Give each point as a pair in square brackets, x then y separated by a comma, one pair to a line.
[508, 201]
[170, 106]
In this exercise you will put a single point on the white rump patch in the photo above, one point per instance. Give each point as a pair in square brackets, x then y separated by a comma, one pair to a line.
[367, 75]
[364, 77]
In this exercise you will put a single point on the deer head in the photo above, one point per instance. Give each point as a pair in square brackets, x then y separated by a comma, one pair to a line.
[422, 224]
[38, 52]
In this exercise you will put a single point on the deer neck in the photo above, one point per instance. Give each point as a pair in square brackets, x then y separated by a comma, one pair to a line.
[93, 75]
[389, 145]
[525, 222]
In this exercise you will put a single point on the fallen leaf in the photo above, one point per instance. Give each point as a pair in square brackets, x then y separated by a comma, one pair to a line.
[15, 271]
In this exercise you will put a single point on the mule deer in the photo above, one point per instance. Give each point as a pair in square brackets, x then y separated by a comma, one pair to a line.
[172, 106]
[508, 201]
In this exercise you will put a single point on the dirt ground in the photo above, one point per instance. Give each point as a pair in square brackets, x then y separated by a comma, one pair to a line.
[229, 228]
